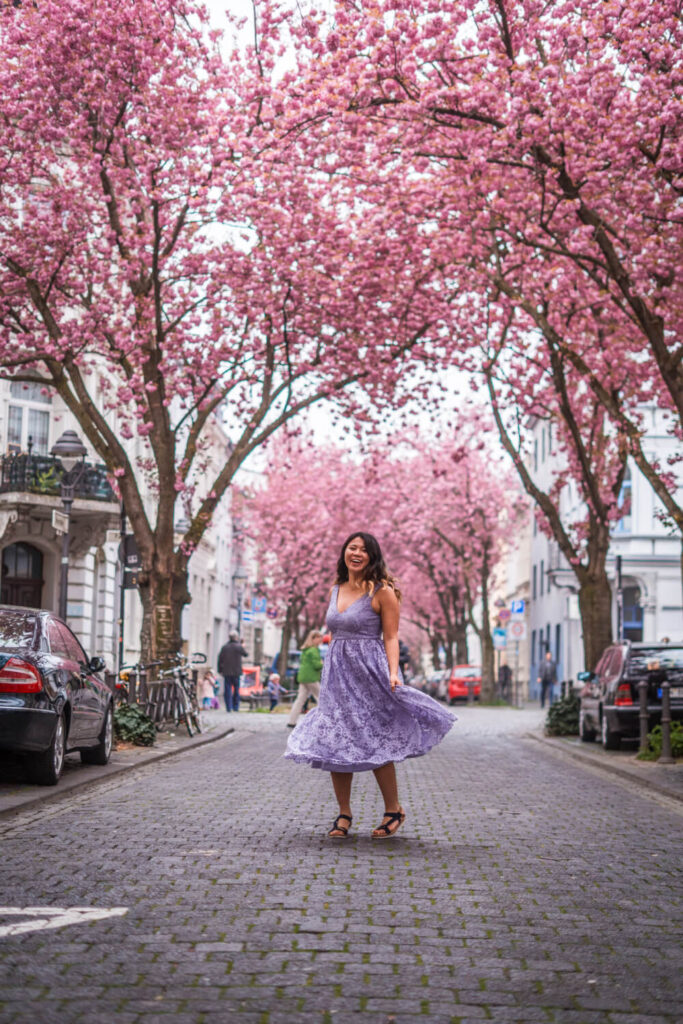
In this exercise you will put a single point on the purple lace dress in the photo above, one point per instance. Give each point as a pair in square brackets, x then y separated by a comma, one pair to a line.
[359, 724]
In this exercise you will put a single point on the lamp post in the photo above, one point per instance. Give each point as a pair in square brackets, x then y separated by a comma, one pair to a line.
[239, 580]
[70, 451]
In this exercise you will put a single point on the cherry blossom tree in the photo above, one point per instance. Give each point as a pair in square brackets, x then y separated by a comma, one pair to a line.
[161, 265]
[539, 146]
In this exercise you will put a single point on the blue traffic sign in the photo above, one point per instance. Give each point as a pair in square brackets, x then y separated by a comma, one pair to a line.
[517, 607]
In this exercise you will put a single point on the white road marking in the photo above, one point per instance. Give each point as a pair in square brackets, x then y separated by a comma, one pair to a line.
[42, 918]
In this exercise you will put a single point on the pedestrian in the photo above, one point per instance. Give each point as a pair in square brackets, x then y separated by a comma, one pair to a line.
[310, 667]
[547, 678]
[206, 689]
[274, 690]
[366, 720]
[504, 680]
[230, 667]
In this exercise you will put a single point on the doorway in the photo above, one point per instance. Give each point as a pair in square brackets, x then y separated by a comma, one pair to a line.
[22, 576]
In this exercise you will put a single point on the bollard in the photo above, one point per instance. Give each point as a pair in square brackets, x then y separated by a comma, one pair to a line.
[643, 717]
[142, 689]
[665, 757]
[570, 688]
[110, 680]
[132, 680]
[470, 691]
[563, 690]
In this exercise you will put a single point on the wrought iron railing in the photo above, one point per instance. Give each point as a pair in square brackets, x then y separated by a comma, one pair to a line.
[42, 474]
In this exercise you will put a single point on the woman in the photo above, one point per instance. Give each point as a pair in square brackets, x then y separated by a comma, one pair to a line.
[310, 667]
[366, 719]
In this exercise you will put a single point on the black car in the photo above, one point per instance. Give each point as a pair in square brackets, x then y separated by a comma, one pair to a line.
[609, 698]
[51, 698]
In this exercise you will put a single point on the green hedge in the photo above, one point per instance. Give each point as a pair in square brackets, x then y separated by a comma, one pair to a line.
[654, 742]
[563, 717]
[134, 726]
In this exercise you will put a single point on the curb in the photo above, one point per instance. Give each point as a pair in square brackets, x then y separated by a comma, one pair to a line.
[54, 794]
[608, 767]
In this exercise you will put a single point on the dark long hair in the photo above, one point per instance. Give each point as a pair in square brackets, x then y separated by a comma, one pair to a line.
[376, 573]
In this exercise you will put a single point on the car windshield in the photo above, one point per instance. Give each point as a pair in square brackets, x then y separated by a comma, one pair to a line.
[17, 630]
[665, 657]
[468, 672]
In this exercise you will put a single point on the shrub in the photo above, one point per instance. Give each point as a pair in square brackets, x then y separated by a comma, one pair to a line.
[563, 717]
[654, 742]
[133, 725]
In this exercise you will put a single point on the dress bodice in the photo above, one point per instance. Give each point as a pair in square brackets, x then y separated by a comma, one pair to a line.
[359, 620]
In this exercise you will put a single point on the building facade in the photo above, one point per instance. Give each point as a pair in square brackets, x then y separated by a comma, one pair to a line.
[32, 527]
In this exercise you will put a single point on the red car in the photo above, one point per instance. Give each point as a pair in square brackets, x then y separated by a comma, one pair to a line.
[462, 677]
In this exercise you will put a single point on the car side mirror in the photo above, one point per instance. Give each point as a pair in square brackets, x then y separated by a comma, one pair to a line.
[585, 677]
[96, 664]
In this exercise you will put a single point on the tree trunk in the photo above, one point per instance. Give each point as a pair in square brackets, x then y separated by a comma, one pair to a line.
[595, 607]
[163, 596]
[462, 656]
[488, 668]
[435, 642]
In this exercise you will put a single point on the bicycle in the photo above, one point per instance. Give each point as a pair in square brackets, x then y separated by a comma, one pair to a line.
[181, 704]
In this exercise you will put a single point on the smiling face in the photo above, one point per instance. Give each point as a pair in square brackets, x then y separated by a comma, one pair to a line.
[356, 557]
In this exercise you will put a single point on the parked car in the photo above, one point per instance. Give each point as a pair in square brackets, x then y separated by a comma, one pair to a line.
[52, 699]
[609, 698]
[437, 683]
[460, 680]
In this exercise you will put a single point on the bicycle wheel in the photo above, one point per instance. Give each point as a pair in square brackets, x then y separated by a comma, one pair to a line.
[185, 710]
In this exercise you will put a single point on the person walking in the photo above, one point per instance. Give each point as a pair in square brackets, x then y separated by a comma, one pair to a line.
[310, 668]
[230, 667]
[366, 719]
[547, 678]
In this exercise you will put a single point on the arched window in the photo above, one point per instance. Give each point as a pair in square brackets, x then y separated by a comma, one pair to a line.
[22, 575]
[633, 614]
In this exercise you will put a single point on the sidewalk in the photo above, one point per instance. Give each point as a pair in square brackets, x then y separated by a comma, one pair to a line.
[17, 794]
[666, 779]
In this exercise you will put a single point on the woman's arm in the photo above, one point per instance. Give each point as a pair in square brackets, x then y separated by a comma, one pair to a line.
[389, 612]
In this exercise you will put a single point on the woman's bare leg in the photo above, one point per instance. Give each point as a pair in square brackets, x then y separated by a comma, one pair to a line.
[386, 780]
[341, 781]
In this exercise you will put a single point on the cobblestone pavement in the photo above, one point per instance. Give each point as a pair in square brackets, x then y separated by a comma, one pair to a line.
[522, 888]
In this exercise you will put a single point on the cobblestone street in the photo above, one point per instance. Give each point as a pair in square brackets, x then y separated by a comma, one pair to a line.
[524, 887]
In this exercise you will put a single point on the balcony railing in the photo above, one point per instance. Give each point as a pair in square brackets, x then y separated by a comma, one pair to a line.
[42, 474]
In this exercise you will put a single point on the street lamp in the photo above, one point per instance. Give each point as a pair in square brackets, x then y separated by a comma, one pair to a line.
[239, 581]
[70, 451]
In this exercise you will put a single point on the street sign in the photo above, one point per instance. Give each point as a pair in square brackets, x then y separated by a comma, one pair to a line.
[60, 522]
[500, 639]
[517, 630]
[516, 608]
[504, 614]
[129, 556]
[271, 612]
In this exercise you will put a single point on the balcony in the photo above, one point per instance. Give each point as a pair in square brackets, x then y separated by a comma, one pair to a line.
[42, 474]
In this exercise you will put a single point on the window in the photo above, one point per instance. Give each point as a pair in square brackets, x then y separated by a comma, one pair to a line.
[28, 418]
[633, 614]
[547, 637]
[550, 438]
[533, 582]
[625, 521]
[543, 445]
[558, 638]
[536, 454]
[541, 576]
[533, 647]
[57, 639]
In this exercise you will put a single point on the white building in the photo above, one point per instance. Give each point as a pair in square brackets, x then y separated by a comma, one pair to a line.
[31, 420]
[650, 564]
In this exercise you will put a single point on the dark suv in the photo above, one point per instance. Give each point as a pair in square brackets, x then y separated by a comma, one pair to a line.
[609, 698]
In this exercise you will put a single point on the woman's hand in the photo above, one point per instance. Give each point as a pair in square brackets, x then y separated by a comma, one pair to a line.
[395, 681]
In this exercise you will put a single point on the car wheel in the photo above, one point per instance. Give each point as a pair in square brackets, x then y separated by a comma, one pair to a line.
[102, 752]
[46, 767]
[586, 735]
[610, 740]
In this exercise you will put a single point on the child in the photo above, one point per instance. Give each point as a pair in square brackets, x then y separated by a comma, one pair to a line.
[206, 689]
[274, 690]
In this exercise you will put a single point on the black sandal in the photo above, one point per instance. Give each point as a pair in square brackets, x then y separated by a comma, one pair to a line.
[340, 828]
[383, 831]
